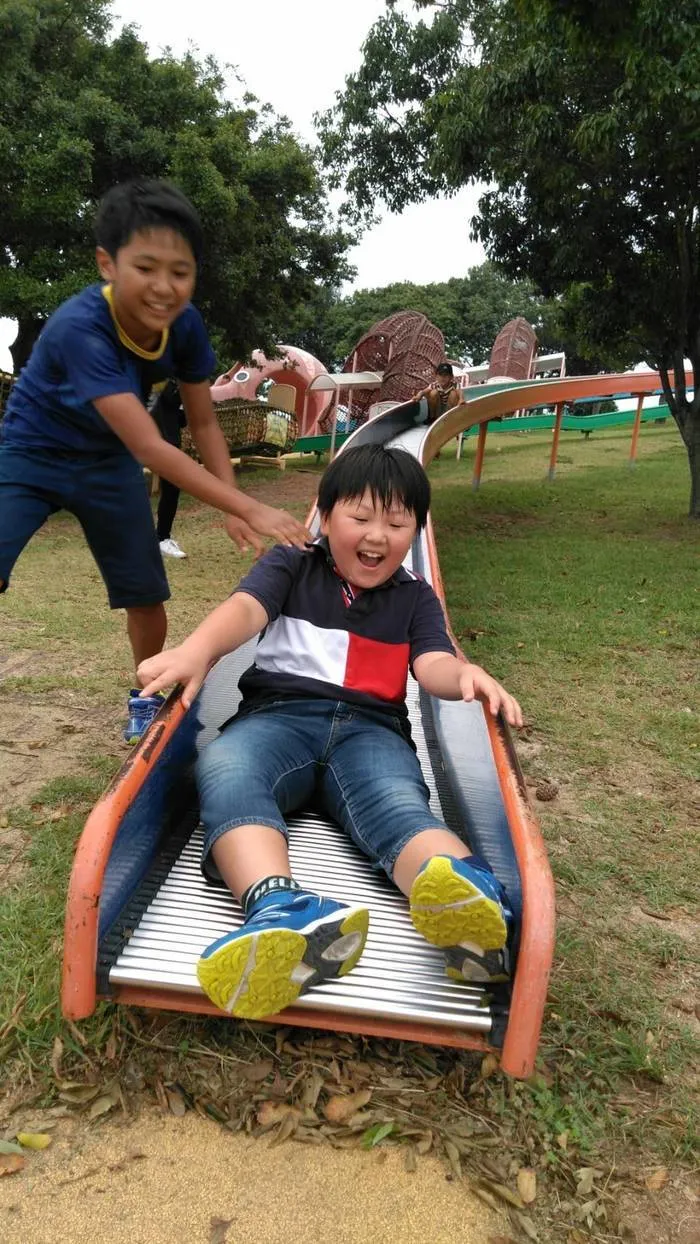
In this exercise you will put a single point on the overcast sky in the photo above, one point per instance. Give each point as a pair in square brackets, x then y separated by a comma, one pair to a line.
[295, 57]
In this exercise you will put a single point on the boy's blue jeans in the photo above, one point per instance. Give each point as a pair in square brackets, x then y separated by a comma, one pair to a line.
[269, 762]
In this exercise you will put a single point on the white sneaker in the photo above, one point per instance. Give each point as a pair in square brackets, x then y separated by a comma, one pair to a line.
[171, 548]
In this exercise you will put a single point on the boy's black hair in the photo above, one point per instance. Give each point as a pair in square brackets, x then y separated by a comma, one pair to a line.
[393, 477]
[135, 205]
[444, 369]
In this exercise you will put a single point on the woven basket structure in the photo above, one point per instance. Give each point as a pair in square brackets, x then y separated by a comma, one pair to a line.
[407, 348]
[251, 428]
[513, 351]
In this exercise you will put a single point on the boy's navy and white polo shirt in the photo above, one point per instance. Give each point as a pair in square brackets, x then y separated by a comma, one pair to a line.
[322, 643]
[83, 354]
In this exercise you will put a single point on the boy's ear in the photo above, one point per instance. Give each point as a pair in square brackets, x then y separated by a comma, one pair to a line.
[105, 264]
[324, 524]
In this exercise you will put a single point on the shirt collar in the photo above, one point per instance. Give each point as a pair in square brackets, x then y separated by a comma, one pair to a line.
[150, 355]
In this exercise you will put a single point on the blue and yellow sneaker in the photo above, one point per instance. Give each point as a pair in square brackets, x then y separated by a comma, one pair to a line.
[289, 942]
[461, 906]
[141, 714]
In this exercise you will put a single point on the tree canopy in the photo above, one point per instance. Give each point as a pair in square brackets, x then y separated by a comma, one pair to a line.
[81, 110]
[583, 118]
[469, 311]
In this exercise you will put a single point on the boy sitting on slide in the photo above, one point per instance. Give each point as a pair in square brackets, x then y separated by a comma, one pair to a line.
[324, 713]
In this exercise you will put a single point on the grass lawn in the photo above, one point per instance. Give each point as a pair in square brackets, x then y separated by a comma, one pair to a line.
[582, 597]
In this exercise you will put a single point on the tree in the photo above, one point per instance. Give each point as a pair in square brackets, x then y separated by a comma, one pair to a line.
[469, 311]
[81, 111]
[584, 118]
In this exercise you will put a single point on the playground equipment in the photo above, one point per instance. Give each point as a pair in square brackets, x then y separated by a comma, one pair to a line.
[405, 348]
[139, 912]
[293, 367]
[486, 404]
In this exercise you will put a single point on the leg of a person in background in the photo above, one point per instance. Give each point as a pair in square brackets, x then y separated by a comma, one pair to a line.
[290, 938]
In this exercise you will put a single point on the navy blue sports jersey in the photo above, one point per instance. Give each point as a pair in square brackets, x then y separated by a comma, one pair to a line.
[325, 641]
[82, 354]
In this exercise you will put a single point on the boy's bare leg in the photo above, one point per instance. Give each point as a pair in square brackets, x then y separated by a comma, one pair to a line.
[421, 848]
[147, 626]
[248, 853]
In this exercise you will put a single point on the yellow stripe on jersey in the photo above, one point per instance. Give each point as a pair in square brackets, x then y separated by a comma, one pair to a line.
[150, 355]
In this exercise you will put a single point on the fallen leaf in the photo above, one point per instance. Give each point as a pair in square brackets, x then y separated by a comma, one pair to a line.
[259, 1071]
[218, 1230]
[272, 1112]
[340, 1109]
[56, 1055]
[10, 1163]
[286, 1128]
[375, 1135]
[527, 1225]
[312, 1088]
[502, 1192]
[527, 1184]
[33, 1140]
[563, 1140]
[489, 1065]
[656, 1181]
[410, 1160]
[486, 1197]
[79, 1094]
[9, 1146]
[104, 1103]
[176, 1102]
[585, 1178]
[425, 1143]
[453, 1157]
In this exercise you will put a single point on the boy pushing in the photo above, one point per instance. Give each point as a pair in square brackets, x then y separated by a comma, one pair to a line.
[76, 432]
[324, 713]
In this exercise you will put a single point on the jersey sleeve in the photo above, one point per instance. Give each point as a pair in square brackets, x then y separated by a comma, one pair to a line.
[193, 356]
[428, 626]
[90, 360]
[271, 579]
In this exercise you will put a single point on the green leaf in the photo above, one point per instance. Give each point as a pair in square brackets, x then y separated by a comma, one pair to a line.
[376, 1134]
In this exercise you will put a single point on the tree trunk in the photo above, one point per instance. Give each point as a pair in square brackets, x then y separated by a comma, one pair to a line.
[692, 444]
[28, 329]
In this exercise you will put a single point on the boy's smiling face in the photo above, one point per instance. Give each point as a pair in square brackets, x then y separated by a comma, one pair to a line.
[153, 277]
[367, 542]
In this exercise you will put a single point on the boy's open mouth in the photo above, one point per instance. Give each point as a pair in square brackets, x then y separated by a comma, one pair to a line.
[371, 560]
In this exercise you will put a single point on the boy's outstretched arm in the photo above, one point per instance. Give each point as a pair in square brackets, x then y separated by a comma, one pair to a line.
[231, 624]
[448, 678]
[131, 422]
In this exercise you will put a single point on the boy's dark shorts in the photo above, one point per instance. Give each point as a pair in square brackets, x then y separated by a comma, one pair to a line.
[107, 494]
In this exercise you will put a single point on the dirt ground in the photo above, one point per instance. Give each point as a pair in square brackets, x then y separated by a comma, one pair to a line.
[163, 1180]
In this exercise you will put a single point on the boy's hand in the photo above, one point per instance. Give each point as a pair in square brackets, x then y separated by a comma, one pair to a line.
[281, 526]
[476, 684]
[175, 665]
[243, 535]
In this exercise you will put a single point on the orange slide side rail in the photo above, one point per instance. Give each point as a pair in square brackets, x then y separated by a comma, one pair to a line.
[79, 982]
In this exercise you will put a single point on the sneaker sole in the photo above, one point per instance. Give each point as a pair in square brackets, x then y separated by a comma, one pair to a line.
[447, 909]
[258, 974]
